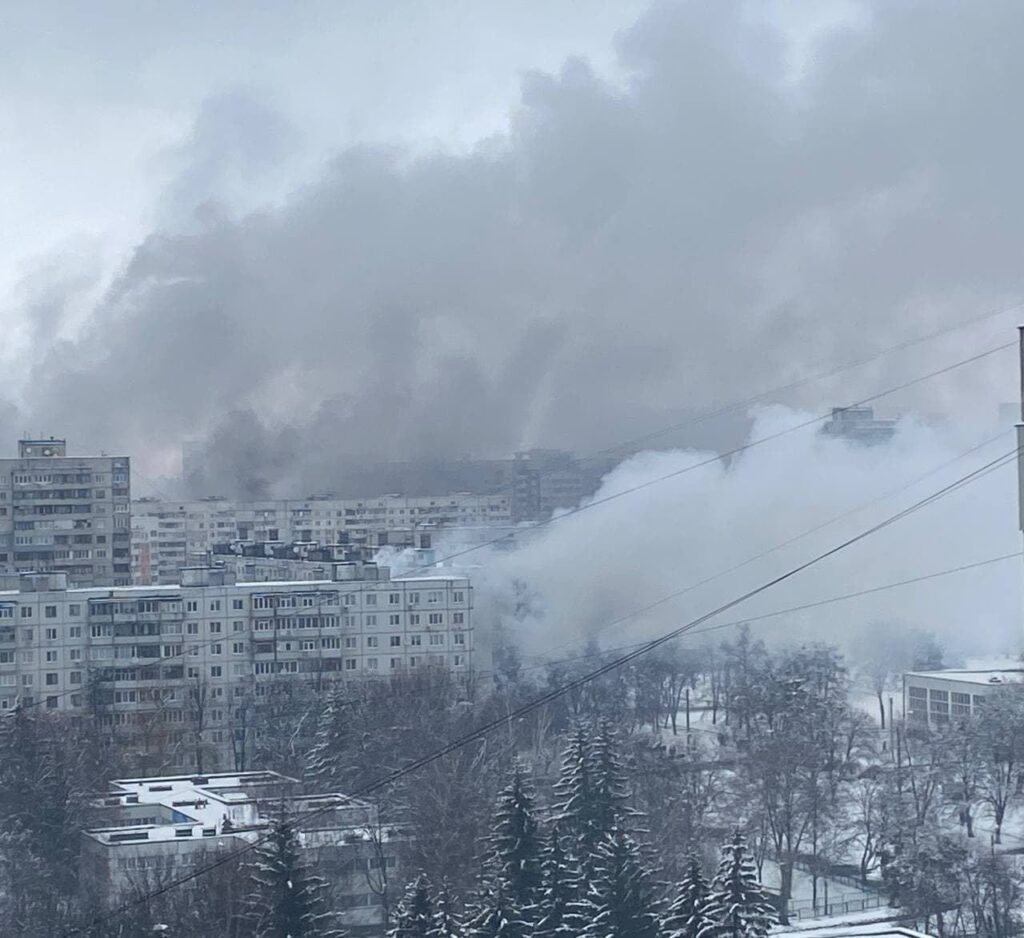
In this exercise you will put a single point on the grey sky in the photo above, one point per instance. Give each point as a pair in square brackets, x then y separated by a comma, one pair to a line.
[466, 228]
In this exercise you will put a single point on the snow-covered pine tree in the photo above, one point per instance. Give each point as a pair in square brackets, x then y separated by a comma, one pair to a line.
[516, 844]
[325, 759]
[737, 906]
[497, 917]
[287, 900]
[685, 916]
[574, 790]
[558, 889]
[447, 923]
[610, 793]
[620, 902]
[414, 916]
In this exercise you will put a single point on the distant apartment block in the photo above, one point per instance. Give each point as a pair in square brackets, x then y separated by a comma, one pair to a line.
[151, 830]
[859, 425]
[70, 514]
[253, 561]
[178, 534]
[180, 668]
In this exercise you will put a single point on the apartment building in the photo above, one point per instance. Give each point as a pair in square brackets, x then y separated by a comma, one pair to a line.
[179, 533]
[70, 514]
[154, 829]
[174, 661]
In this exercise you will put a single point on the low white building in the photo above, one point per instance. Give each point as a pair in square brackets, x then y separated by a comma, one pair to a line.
[155, 829]
[931, 698]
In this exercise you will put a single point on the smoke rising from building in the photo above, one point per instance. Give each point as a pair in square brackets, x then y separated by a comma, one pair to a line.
[574, 577]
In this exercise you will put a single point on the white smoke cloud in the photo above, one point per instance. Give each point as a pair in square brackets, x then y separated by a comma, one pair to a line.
[594, 567]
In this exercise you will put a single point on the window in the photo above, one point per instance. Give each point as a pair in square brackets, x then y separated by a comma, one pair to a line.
[371, 664]
[51, 634]
[436, 639]
[75, 654]
[458, 618]
[26, 612]
[52, 679]
[75, 631]
[459, 638]
[372, 642]
[457, 660]
[434, 596]
[351, 641]
[371, 599]
[191, 628]
[216, 649]
[350, 664]
[395, 641]
[458, 596]
[414, 618]
[237, 626]
[394, 599]
[75, 609]
[50, 612]
[51, 656]
[396, 662]
[394, 619]
[192, 605]
[416, 640]
[75, 677]
[435, 618]
[214, 628]
[414, 599]
[371, 620]
[238, 648]
[237, 604]
[216, 670]
[961, 704]
[214, 605]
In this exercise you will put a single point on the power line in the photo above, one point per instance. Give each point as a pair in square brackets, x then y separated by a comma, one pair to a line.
[560, 691]
[800, 382]
[735, 623]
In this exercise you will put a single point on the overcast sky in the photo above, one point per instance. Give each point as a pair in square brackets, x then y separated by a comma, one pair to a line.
[409, 229]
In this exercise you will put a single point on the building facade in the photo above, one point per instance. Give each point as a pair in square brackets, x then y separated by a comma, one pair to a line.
[182, 665]
[66, 513]
[151, 830]
[179, 533]
[932, 698]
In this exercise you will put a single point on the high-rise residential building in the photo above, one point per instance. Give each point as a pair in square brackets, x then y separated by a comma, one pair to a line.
[181, 669]
[859, 425]
[70, 514]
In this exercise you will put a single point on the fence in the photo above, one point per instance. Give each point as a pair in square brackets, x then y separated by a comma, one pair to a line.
[843, 905]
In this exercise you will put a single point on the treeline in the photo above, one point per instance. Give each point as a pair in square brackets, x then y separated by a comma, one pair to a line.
[774, 749]
[574, 869]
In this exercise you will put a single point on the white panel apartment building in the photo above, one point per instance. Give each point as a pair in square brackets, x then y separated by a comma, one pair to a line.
[179, 532]
[66, 513]
[140, 653]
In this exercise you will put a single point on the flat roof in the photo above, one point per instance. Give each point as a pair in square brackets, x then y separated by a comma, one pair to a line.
[988, 677]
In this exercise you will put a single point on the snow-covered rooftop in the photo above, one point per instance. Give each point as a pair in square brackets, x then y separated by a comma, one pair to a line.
[988, 677]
